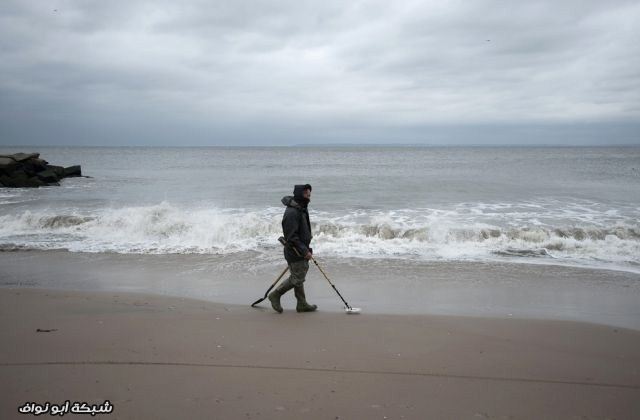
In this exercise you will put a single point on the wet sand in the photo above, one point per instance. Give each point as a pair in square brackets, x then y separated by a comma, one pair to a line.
[488, 289]
[166, 357]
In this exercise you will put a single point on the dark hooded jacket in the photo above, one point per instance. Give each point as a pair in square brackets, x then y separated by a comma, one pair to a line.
[296, 226]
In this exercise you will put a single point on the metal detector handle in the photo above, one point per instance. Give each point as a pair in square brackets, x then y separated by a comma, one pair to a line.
[284, 241]
[288, 245]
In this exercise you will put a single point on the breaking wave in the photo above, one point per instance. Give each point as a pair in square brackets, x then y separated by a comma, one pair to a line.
[430, 234]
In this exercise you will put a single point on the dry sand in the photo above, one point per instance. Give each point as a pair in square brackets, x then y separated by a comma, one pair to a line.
[156, 357]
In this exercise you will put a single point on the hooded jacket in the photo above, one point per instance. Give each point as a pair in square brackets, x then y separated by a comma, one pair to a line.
[296, 226]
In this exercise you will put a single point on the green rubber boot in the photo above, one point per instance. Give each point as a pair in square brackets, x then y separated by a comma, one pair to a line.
[302, 305]
[274, 297]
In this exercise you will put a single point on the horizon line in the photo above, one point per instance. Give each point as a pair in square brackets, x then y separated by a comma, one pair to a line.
[335, 145]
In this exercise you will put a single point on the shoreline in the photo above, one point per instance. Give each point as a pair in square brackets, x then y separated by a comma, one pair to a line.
[498, 290]
[9, 248]
[166, 357]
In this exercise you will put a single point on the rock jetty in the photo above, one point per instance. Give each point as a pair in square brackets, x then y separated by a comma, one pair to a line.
[28, 170]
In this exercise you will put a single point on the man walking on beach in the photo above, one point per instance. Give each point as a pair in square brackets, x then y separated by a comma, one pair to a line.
[297, 232]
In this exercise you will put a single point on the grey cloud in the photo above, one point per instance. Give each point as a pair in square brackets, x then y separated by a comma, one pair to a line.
[278, 72]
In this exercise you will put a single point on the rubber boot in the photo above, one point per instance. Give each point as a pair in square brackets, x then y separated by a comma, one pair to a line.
[274, 297]
[302, 305]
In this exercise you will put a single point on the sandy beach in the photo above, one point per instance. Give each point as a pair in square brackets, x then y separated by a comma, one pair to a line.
[462, 177]
[166, 357]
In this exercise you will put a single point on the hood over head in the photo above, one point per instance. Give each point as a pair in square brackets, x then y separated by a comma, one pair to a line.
[289, 201]
[298, 194]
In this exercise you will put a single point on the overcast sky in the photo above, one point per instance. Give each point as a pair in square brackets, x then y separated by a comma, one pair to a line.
[102, 72]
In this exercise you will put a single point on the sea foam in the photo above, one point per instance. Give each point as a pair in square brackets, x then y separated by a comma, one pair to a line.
[470, 231]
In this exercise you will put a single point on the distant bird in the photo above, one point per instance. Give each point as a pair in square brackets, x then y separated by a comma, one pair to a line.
[55, 10]
[488, 40]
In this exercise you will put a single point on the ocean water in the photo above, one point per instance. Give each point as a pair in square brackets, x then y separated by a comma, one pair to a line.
[547, 205]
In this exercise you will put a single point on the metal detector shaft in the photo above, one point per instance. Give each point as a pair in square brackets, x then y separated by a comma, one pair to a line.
[332, 285]
[271, 287]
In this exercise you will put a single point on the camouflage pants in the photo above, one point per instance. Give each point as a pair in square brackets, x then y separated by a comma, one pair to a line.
[298, 270]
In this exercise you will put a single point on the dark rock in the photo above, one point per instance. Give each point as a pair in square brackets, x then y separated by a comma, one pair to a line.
[39, 162]
[7, 165]
[59, 170]
[6, 161]
[72, 171]
[33, 166]
[48, 176]
[28, 170]
[21, 180]
[21, 157]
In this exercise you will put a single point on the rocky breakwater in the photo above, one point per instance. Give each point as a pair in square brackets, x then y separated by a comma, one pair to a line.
[28, 170]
